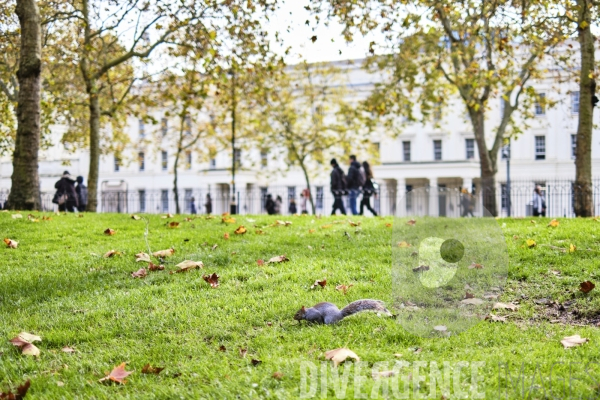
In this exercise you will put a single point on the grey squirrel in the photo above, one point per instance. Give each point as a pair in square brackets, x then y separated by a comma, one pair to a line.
[328, 313]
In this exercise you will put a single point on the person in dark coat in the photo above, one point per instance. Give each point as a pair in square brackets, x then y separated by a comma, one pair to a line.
[270, 205]
[82, 194]
[65, 193]
[292, 207]
[338, 186]
[353, 183]
[368, 189]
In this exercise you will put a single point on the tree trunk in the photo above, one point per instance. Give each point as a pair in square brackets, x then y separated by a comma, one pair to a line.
[94, 106]
[175, 188]
[25, 181]
[488, 162]
[310, 196]
[584, 204]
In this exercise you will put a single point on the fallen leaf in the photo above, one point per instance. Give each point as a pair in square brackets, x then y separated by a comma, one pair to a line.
[17, 216]
[404, 244]
[11, 243]
[343, 288]
[531, 243]
[118, 374]
[240, 230]
[421, 268]
[388, 225]
[173, 224]
[259, 232]
[20, 392]
[338, 356]
[586, 286]
[142, 257]
[154, 267]
[226, 236]
[136, 217]
[68, 349]
[28, 337]
[60, 383]
[326, 226]
[397, 355]
[148, 369]
[213, 279]
[572, 341]
[111, 253]
[440, 328]
[278, 259]
[214, 246]
[189, 265]
[228, 220]
[555, 272]
[278, 375]
[554, 223]
[140, 273]
[354, 223]
[164, 253]
[282, 223]
[475, 266]
[243, 352]
[167, 216]
[311, 231]
[533, 222]
[45, 218]
[505, 306]
[24, 342]
[473, 301]
[469, 295]
[110, 232]
[320, 283]
[411, 222]
[495, 318]
[255, 362]
[260, 262]
[572, 248]
[222, 348]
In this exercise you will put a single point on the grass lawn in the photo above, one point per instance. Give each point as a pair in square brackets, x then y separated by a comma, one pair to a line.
[58, 285]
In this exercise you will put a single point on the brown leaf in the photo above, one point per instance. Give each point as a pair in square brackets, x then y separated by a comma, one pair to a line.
[213, 279]
[142, 257]
[148, 369]
[421, 268]
[222, 348]
[411, 222]
[228, 220]
[189, 265]
[260, 262]
[338, 356]
[164, 253]
[240, 230]
[469, 295]
[140, 273]
[68, 349]
[388, 225]
[167, 216]
[343, 288]
[243, 352]
[554, 223]
[403, 244]
[45, 218]
[313, 38]
[226, 236]
[586, 286]
[505, 306]
[278, 259]
[320, 283]
[109, 232]
[173, 224]
[11, 243]
[278, 375]
[20, 393]
[354, 223]
[154, 267]
[136, 217]
[475, 266]
[111, 253]
[255, 362]
[118, 374]
[572, 341]
[259, 232]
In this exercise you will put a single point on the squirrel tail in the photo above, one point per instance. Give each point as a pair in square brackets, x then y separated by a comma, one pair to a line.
[364, 305]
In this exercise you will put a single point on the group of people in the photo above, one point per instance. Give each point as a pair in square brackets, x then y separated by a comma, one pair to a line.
[358, 180]
[69, 196]
[273, 206]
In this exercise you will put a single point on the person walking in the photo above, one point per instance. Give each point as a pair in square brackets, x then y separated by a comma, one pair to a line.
[303, 203]
[368, 189]
[208, 204]
[292, 207]
[466, 203]
[338, 186]
[278, 204]
[65, 196]
[193, 210]
[270, 205]
[353, 183]
[82, 194]
[538, 202]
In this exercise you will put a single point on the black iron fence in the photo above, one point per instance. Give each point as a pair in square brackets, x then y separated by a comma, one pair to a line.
[388, 199]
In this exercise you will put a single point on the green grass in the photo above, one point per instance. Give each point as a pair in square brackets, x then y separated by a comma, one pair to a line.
[56, 284]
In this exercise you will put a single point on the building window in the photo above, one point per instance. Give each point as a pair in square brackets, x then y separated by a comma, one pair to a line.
[470, 148]
[503, 198]
[540, 147]
[406, 150]
[264, 158]
[164, 126]
[573, 146]
[188, 160]
[540, 104]
[213, 163]
[237, 157]
[164, 160]
[575, 103]
[437, 150]
[408, 197]
[141, 161]
[117, 161]
[164, 200]
[142, 197]
[141, 128]
[188, 125]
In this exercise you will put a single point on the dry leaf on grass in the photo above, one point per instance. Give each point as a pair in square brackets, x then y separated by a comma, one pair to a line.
[530, 243]
[475, 266]
[533, 222]
[554, 223]
[505, 306]
[142, 257]
[473, 301]
[260, 262]
[411, 222]
[24, 341]
[572, 248]
[167, 216]
[311, 231]
[140, 273]
[189, 265]
[240, 230]
[154, 267]
[173, 224]
[11, 243]
[338, 356]
[354, 223]
[214, 246]
[20, 393]
[278, 375]
[320, 283]
[469, 295]
[403, 244]
[440, 328]
[109, 232]
[17, 216]
[586, 286]
[343, 288]
[572, 341]
[281, 223]
[68, 349]
[421, 268]
[259, 232]
[226, 236]
[326, 226]
[495, 318]
[136, 217]
[278, 259]
[118, 374]
[164, 253]
[148, 369]
[228, 220]
[255, 362]
[388, 225]
[212, 280]
[111, 253]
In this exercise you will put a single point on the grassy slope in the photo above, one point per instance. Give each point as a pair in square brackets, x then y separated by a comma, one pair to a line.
[57, 285]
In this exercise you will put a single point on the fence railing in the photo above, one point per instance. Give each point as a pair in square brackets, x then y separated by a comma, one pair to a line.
[387, 200]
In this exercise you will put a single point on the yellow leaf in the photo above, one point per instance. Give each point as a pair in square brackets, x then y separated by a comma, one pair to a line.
[554, 223]
[572, 248]
[241, 230]
[531, 243]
